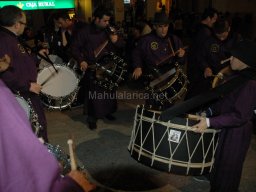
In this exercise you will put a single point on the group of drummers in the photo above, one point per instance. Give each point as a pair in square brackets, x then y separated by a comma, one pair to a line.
[172, 73]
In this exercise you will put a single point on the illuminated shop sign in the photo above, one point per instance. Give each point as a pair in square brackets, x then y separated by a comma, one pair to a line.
[39, 4]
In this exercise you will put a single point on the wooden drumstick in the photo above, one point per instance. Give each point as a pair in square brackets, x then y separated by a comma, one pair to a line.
[225, 60]
[193, 117]
[72, 156]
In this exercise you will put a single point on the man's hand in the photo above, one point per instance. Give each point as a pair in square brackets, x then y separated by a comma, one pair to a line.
[113, 38]
[208, 72]
[137, 73]
[181, 52]
[201, 126]
[35, 88]
[81, 179]
[83, 66]
[44, 52]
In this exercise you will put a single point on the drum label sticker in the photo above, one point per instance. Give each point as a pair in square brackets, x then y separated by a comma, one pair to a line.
[174, 136]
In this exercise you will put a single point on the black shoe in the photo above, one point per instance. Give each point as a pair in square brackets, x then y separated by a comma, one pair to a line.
[110, 117]
[92, 125]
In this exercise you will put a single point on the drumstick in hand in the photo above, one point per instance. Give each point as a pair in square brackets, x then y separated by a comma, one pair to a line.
[72, 156]
[83, 182]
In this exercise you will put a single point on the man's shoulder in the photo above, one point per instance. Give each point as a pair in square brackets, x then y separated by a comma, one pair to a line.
[145, 39]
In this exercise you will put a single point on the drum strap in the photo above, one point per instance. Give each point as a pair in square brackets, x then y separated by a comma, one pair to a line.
[204, 98]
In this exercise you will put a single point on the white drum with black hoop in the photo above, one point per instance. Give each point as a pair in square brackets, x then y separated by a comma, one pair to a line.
[59, 89]
[172, 146]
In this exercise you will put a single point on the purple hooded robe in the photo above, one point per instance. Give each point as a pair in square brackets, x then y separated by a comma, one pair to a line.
[25, 163]
[233, 115]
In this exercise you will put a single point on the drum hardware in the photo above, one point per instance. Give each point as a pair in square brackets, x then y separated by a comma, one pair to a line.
[172, 146]
[60, 90]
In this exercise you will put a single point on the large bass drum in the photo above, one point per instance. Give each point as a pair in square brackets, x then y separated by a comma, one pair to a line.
[110, 71]
[172, 146]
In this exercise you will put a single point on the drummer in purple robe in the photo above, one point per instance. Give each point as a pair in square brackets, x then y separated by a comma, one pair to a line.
[25, 163]
[233, 115]
[21, 77]
[204, 31]
[212, 52]
[157, 52]
[88, 45]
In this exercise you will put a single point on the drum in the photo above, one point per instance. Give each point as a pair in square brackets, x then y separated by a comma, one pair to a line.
[24, 104]
[31, 114]
[168, 88]
[172, 146]
[110, 71]
[62, 158]
[59, 89]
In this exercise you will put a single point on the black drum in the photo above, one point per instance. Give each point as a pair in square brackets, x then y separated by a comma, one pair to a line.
[110, 71]
[172, 146]
[168, 88]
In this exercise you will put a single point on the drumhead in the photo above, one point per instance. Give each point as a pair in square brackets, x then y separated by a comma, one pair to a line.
[59, 84]
[24, 105]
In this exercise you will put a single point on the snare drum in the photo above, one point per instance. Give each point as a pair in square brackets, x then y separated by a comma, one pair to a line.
[110, 71]
[168, 88]
[60, 88]
[172, 146]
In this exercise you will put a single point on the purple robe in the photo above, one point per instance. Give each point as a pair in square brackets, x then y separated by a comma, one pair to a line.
[21, 73]
[233, 115]
[212, 51]
[85, 43]
[155, 51]
[25, 163]
[195, 70]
